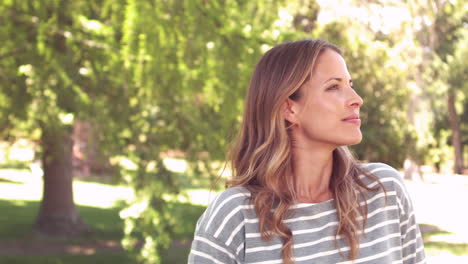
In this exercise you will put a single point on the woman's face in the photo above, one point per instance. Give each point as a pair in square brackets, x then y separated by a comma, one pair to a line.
[328, 110]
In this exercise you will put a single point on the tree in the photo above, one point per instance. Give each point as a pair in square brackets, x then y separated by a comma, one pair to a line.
[442, 26]
[457, 72]
[49, 77]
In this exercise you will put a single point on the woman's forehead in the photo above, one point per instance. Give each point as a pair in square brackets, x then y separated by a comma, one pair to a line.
[329, 64]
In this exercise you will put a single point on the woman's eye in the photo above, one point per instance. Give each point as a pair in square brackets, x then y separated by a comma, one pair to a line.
[333, 87]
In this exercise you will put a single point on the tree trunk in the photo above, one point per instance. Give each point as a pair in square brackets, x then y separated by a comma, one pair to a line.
[58, 215]
[456, 136]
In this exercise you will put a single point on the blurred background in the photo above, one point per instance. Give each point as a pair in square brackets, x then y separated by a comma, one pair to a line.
[115, 115]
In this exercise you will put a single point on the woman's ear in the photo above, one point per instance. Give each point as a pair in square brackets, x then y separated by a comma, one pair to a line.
[290, 111]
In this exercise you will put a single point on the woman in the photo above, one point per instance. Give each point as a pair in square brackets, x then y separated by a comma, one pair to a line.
[297, 194]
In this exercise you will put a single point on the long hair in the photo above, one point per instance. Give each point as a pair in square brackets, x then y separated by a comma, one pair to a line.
[261, 155]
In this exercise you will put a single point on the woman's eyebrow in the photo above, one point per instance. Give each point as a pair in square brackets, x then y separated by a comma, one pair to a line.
[337, 79]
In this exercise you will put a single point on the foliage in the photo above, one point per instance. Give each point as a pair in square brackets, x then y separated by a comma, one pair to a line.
[187, 75]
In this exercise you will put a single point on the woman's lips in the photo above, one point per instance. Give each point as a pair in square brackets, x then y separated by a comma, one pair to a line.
[354, 120]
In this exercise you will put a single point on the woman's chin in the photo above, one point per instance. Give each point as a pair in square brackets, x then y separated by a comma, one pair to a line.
[352, 141]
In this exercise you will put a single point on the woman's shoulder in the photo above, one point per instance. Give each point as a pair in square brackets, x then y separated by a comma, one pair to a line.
[381, 170]
[387, 175]
[225, 210]
[231, 197]
[234, 191]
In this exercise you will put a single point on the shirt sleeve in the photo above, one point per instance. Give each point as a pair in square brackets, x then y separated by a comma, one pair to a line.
[219, 235]
[208, 249]
[411, 240]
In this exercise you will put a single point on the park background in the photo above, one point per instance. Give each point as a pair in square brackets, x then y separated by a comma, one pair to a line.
[115, 115]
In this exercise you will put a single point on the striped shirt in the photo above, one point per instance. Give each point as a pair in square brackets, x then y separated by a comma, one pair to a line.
[228, 231]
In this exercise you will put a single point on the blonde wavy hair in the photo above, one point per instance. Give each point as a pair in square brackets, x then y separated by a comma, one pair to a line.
[261, 156]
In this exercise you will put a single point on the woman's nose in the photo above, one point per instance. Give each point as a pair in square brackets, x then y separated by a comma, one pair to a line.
[355, 99]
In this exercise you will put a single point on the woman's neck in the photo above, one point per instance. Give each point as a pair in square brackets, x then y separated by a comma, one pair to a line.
[312, 171]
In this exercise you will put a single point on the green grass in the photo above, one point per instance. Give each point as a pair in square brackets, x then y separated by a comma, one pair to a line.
[438, 247]
[14, 164]
[9, 181]
[171, 256]
[434, 247]
[114, 258]
[175, 255]
[16, 224]
[18, 216]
